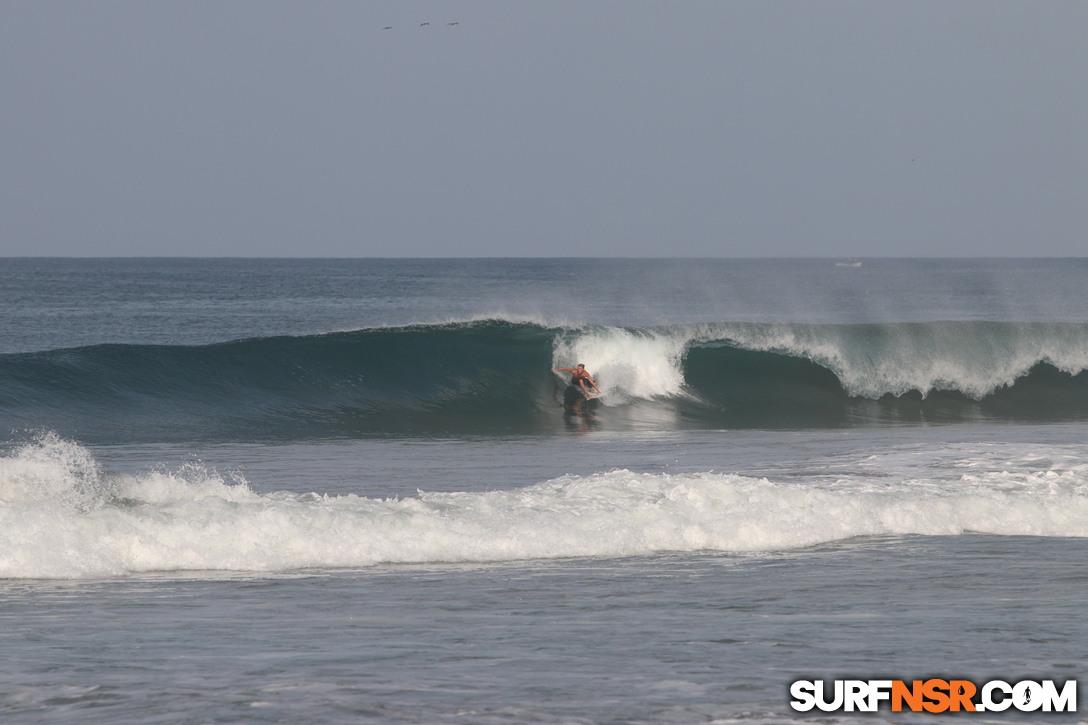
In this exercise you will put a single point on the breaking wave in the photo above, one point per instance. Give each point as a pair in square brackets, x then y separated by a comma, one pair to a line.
[493, 377]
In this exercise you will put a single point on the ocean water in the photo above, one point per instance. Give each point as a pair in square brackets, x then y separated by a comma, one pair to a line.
[337, 491]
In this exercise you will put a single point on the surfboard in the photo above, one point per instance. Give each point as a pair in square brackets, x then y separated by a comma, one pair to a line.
[591, 395]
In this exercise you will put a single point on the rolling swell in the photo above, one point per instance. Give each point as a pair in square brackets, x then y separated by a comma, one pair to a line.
[492, 377]
[472, 377]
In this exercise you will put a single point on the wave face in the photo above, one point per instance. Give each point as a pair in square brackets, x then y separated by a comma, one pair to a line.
[61, 516]
[491, 377]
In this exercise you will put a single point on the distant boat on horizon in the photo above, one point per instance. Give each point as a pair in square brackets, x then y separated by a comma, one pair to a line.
[851, 263]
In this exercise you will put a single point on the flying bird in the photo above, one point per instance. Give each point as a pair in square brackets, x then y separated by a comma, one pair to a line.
[388, 27]
[422, 24]
[453, 23]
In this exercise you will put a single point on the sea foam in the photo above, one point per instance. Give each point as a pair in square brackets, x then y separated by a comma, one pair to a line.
[61, 516]
[636, 364]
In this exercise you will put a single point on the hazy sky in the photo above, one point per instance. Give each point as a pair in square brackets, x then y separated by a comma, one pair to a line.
[547, 128]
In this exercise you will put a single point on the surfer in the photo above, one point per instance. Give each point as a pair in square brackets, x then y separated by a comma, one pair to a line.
[578, 379]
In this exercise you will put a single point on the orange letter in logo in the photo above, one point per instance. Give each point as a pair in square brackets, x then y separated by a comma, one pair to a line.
[932, 690]
[913, 696]
[961, 692]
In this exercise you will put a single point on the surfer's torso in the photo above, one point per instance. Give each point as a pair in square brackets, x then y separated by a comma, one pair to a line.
[575, 377]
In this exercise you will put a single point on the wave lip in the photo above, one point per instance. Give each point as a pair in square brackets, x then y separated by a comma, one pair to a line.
[492, 377]
[195, 519]
[972, 358]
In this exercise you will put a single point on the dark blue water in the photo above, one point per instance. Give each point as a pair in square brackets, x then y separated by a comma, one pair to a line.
[58, 303]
